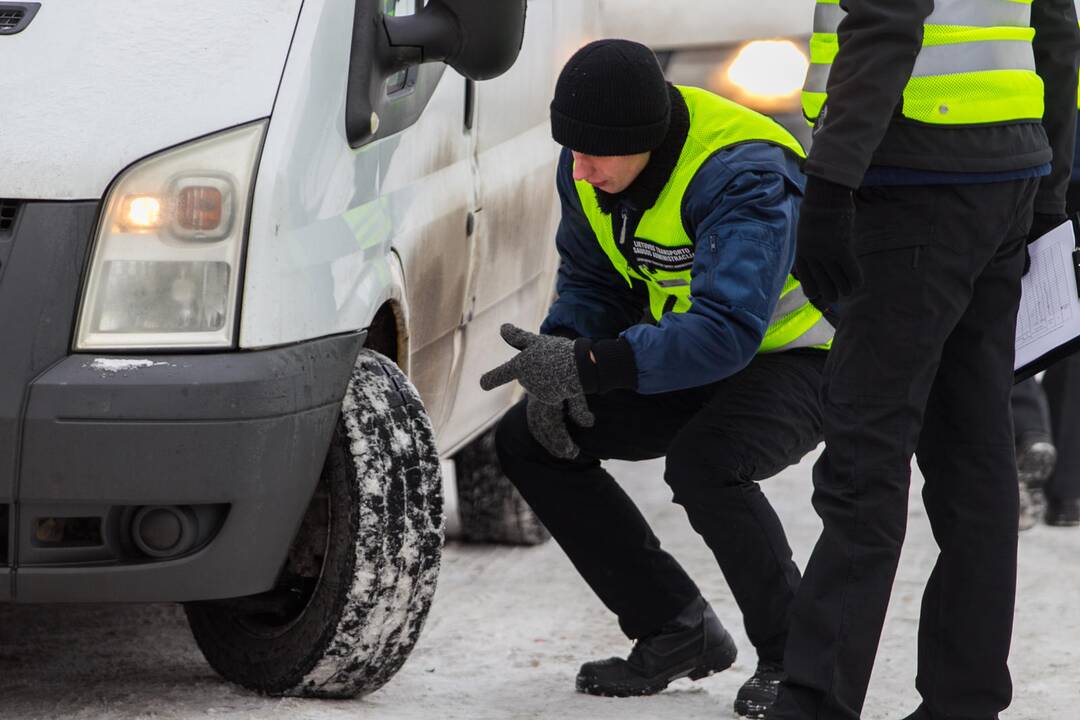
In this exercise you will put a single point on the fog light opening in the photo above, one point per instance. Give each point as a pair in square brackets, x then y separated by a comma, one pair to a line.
[164, 531]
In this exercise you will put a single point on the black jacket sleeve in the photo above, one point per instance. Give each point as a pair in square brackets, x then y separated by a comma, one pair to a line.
[1057, 50]
[879, 40]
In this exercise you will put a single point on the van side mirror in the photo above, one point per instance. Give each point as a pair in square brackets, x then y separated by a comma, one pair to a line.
[480, 39]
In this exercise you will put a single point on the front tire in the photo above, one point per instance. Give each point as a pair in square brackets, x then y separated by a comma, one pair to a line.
[361, 573]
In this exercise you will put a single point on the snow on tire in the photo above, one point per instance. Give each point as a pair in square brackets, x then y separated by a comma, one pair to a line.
[361, 573]
[490, 507]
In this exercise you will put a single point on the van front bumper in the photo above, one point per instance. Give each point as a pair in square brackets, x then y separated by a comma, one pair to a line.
[243, 433]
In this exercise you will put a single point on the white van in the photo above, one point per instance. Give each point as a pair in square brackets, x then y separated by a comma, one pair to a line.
[239, 243]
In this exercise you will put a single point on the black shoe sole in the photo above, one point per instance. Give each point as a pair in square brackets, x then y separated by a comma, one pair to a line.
[751, 710]
[716, 660]
[754, 702]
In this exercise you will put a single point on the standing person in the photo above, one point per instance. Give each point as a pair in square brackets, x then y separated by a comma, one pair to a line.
[681, 205]
[942, 101]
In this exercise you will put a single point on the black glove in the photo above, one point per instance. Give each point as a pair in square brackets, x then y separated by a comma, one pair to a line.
[547, 423]
[824, 261]
[1041, 223]
[545, 367]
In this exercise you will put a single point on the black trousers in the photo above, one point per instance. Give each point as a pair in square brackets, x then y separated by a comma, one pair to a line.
[922, 364]
[719, 441]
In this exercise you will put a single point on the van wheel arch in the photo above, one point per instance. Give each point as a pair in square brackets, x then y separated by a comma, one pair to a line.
[387, 333]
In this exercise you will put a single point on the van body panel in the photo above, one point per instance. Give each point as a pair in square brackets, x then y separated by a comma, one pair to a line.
[514, 258]
[326, 218]
[91, 87]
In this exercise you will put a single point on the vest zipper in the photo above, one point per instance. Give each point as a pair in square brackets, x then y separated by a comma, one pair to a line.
[627, 250]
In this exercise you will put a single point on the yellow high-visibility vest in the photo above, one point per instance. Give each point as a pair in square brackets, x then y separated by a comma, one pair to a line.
[976, 65]
[715, 123]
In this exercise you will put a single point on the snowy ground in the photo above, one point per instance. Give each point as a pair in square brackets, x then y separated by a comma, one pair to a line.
[508, 630]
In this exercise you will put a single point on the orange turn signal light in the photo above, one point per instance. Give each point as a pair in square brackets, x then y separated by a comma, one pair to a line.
[199, 207]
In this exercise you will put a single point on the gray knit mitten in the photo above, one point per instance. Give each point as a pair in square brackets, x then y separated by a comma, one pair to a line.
[545, 367]
[547, 423]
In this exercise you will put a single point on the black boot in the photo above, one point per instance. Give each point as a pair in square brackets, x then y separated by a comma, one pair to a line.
[1035, 459]
[758, 693]
[693, 644]
[1063, 513]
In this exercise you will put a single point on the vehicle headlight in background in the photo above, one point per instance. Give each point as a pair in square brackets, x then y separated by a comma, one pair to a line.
[766, 75]
[165, 267]
[769, 69]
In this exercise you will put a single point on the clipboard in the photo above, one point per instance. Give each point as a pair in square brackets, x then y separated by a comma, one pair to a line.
[1045, 300]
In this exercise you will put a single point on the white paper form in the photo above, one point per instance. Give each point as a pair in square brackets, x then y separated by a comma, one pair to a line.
[1049, 314]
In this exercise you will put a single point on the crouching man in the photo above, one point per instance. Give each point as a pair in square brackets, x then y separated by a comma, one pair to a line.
[680, 206]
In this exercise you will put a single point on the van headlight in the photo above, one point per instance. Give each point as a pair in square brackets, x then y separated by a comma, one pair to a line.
[165, 266]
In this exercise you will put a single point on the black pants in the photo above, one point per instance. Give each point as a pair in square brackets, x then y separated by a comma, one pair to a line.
[719, 440]
[922, 364]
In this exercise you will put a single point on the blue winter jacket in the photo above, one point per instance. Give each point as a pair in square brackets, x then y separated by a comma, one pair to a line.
[740, 210]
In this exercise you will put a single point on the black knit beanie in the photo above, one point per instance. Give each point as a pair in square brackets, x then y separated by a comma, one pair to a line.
[611, 99]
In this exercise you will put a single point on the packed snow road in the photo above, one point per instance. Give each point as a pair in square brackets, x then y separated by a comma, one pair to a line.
[508, 630]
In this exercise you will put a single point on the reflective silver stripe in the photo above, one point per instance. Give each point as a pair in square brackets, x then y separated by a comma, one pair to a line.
[816, 77]
[789, 303]
[980, 13]
[974, 57]
[950, 59]
[827, 17]
[819, 333]
[969, 13]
